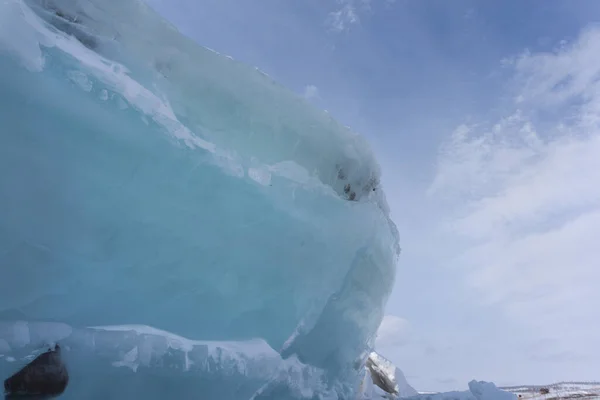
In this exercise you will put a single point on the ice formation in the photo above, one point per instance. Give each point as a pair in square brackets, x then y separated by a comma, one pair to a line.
[382, 379]
[147, 363]
[146, 181]
[478, 390]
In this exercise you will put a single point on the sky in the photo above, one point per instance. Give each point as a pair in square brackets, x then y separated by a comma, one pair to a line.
[485, 117]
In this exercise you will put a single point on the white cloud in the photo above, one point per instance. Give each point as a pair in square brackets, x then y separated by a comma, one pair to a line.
[525, 194]
[347, 13]
[311, 92]
[343, 17]
[570, 72]
[393, 332]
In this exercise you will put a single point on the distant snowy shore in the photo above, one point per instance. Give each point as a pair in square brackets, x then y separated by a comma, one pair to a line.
[560, 390]
[488, 391]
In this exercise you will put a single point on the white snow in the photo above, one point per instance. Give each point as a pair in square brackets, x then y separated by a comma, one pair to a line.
[489, 391]
[562, 390]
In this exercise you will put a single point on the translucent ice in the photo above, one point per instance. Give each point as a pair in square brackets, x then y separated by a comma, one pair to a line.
[145, 180]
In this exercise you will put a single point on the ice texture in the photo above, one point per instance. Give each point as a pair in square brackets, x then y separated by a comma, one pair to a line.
[148, 181]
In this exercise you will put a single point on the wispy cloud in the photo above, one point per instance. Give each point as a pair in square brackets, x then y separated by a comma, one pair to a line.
[344, 16]
[349, 12]
[524, 194]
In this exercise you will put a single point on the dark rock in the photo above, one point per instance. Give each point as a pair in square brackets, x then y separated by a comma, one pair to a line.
[43, 378]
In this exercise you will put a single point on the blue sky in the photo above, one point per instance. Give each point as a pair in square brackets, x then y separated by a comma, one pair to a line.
[485, 117]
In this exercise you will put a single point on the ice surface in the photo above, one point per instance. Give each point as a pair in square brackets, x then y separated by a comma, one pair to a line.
[478, 390]
[147, 181]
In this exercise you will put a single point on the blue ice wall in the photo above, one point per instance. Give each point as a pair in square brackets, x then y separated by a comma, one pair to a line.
[146, 180]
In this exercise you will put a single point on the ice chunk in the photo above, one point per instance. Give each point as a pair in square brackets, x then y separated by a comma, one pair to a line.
[478, 390]
[383, 373]
[488, 391]
[199, 198]
[145, 362]
[404, 388]
[383, 379]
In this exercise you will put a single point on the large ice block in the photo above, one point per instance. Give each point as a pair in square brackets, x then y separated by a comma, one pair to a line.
[145, 180]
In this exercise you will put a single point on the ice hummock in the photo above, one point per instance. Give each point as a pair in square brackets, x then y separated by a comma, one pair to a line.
[134, 361]
[148, 181]
[383, 379]
[478, 390]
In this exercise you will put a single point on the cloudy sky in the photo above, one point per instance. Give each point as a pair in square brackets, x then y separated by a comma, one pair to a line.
[485, 116]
